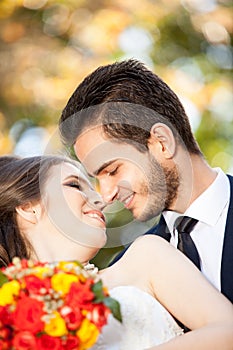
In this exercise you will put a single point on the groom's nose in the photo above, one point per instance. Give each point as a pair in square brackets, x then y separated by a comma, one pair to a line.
[108, 193]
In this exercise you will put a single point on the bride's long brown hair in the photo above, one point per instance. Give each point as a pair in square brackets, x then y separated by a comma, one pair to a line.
[21, 181]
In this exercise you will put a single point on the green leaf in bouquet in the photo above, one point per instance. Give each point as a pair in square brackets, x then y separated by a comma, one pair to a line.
[3, 279]
[78, 263]
[97, 289]
[114, 306]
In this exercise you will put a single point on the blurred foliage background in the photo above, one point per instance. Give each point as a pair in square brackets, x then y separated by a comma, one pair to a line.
[47, 47]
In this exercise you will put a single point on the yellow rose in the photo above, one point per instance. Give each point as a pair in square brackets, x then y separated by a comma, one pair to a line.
[41, 271]
[56, 327]
[8, 291]
[73, 267]
[68, 265]
[88, 334]
[61, 282]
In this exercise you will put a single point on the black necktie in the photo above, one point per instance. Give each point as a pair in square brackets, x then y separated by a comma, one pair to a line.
[184, 226]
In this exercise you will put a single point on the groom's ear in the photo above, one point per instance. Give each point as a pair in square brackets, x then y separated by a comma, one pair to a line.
[29, 212]
[162, 142]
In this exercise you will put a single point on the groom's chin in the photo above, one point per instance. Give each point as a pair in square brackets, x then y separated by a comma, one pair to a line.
[142, 217]
[147, 215]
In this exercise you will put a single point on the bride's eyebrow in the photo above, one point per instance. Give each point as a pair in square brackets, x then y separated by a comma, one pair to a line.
[72, 177]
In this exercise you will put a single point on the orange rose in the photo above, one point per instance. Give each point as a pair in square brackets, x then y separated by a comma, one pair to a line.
[80, 294]
[28, 313]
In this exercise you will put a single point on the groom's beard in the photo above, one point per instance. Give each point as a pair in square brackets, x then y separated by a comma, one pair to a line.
[161, 189]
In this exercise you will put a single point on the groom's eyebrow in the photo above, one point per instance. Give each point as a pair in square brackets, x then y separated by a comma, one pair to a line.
[102, 167]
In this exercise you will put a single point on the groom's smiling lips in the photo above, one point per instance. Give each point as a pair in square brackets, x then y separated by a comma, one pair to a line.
[125, 193]
[126, 200]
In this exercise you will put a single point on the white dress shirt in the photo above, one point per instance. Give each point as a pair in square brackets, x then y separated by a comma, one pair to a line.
[210, 209]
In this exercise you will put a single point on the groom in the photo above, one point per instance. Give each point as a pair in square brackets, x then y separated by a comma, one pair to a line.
[131, 132]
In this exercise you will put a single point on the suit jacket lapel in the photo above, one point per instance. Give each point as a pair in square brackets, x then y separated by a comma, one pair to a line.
[227, 253]
[160, 229]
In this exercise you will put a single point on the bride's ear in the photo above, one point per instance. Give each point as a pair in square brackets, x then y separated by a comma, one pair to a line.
[29, 212]
[162, 141]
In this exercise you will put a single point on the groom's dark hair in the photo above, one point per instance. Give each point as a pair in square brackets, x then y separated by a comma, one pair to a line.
[126, 99]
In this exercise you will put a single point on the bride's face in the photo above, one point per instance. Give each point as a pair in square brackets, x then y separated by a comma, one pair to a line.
[73, 207]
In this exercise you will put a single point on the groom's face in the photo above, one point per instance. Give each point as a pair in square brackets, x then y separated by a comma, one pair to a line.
[125, 174]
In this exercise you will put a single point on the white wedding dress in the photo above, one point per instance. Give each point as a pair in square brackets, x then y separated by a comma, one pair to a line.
[146, 322]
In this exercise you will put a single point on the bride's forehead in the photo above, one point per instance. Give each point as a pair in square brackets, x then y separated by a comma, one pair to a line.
[66, 169]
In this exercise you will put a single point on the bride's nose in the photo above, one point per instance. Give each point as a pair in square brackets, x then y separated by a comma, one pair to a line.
[95, 199]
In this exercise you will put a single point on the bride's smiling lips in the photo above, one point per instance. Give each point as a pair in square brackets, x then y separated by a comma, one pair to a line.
[96, 214]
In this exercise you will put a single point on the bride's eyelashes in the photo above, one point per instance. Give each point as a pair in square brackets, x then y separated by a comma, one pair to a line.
[74, 184]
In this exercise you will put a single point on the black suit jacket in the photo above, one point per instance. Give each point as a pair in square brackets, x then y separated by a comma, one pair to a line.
[227, 254]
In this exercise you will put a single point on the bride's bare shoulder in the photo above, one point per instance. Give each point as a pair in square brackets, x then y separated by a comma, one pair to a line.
[150, 239]
[149, 243]
[147, 250]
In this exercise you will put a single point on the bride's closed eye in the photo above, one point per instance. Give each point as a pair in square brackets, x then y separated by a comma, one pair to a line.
[74, 184]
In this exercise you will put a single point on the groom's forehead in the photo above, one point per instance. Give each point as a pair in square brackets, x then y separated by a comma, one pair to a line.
[97, 155]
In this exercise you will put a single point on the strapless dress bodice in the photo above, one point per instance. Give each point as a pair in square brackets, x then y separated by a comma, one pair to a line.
[146, 322]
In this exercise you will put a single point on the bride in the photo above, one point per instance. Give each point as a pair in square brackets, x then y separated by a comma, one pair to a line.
[49, 212]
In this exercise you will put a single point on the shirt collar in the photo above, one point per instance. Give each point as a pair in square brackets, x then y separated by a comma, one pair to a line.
[209, 206]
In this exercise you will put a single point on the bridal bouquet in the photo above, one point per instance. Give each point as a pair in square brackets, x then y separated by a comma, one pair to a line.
[52, 306]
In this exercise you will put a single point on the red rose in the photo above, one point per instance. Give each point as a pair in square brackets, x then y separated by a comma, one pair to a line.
[24, 341]
[71, 342]
[99, 315]
[72, 316]
[35, 285]
[5, 345]
[80, 294]
[46, 342]
[5, 333]
[5, 316]
[28, 313]
[24, 263]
